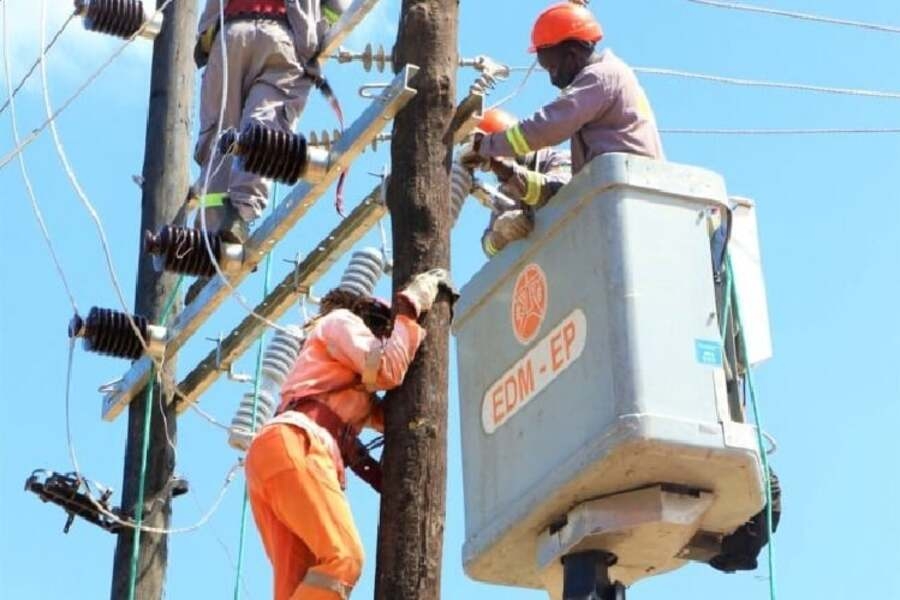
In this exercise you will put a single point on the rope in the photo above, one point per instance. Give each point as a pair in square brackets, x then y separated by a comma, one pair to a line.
[256, 383]
[757, 418]
[29, 188]
[20, 146]
[35, 64]
[798, 15]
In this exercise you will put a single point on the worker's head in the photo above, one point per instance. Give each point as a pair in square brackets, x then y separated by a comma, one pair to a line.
[374, 312]
[564, 37]
[495, 121]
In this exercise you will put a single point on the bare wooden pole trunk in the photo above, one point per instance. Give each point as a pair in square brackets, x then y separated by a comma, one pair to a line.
[410, 538]
[166, 172]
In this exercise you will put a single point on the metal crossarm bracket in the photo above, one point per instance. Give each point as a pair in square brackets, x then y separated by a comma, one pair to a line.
[363, 218]
[271, 231]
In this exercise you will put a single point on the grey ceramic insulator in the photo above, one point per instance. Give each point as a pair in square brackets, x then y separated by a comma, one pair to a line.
[278, 360]
[363, 272]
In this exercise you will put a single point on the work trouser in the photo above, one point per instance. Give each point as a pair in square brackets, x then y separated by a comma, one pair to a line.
[302, 515]
[263, 83]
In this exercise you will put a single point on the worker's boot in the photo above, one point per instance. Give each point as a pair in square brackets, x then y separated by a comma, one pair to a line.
[221, 218]
[741, 548]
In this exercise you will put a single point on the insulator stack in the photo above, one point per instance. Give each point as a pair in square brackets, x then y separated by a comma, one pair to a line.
[363, 272]
[461, 183]
[279, 155]
[120, 18]
[183, 250]
[368, 57]
[110, 332]
[278, 360]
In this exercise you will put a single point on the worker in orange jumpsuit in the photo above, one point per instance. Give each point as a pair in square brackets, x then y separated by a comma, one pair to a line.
[295, 464]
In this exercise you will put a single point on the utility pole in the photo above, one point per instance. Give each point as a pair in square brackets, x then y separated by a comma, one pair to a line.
[410, 540]
[166, 165]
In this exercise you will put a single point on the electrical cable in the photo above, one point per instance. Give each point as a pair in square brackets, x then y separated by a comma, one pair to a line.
[28, 186]
[20, 146]
[798, 15]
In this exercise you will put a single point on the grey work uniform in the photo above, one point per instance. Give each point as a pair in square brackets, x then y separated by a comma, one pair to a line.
[263, 79]
[604, 110]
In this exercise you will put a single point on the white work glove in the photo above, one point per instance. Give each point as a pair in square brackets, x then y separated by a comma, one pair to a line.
[506, 227]
[421, 292]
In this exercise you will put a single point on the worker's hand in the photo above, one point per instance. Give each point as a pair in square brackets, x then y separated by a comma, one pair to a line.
[505, 227]
[424, 287]
[503, 168]
[470, 157]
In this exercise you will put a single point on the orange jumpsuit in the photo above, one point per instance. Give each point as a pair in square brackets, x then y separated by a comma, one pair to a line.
[294, 470]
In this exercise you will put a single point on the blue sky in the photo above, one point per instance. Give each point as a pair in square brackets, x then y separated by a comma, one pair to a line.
[830, 227]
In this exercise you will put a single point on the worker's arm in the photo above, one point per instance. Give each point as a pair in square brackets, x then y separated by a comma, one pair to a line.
[535, 187]
[553, 124]
[381, 363]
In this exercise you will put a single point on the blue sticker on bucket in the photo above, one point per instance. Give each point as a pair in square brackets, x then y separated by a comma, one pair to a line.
[708, 352]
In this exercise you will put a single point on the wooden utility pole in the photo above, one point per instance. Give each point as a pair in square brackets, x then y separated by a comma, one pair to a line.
[166, 172]
[410, 540]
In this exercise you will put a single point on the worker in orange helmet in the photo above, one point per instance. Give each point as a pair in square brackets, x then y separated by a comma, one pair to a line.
[295, 464]
[602, 107]
[529, 180]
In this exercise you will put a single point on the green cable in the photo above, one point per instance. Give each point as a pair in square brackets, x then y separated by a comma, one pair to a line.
[145, 450]
[256, 379]
[770, 550]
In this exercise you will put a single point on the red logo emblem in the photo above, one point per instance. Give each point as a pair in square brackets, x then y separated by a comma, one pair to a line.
[529, 303]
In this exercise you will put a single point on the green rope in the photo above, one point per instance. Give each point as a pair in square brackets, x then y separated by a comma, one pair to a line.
[256, 381]
[145, 451]
[770, 550]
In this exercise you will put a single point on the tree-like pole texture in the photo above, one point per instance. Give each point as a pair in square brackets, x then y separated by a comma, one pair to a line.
[166, 172]
[410, 537]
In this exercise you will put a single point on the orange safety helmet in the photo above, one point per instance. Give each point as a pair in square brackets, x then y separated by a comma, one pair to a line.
[564, 21]
[496, 121]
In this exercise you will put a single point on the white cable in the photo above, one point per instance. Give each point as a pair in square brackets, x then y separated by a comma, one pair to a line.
[79, 191]
[34, 65]
[798, 15]
[208, 417]
[20, 146]
[31, 195]
[233, 292]
[518, 90]
[823, 131]
[73, 457]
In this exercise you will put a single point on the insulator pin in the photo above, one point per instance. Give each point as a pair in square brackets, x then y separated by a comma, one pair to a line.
[110, 332]
[183, 250]
[120, 18]
[279, 155]
[369, 57]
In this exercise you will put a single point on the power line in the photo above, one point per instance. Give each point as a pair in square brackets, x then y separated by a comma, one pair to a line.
[763, 83]
[29, 188]
[787, 131]
[798, 15]
[35, 64]
[20, 146]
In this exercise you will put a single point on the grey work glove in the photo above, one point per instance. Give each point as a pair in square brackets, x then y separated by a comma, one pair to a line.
[506, 227]
[421, 292]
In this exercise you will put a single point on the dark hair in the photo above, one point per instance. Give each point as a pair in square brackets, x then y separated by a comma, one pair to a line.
[377, 317]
